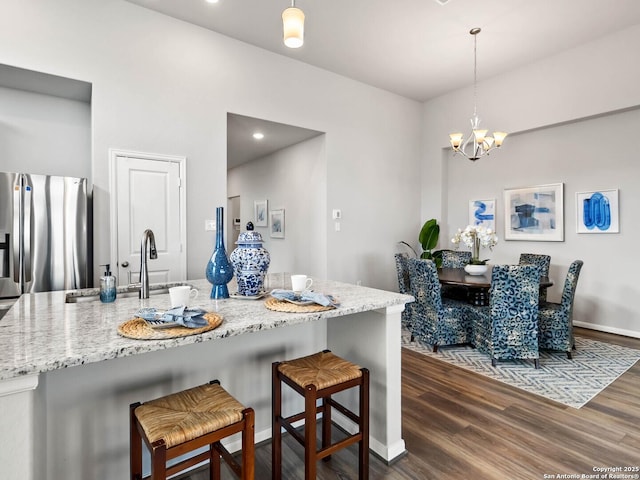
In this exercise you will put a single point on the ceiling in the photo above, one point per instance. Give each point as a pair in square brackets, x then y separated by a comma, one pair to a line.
[242, 147]
[416, 48]
[45, 84]
[419, 49]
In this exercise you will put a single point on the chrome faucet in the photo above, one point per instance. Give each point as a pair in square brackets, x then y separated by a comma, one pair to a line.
[150, 239]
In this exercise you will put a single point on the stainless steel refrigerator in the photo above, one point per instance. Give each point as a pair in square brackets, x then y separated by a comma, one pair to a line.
[44, 234]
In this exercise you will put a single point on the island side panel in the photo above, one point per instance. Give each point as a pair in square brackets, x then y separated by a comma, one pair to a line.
[18, 416]
[372, 340]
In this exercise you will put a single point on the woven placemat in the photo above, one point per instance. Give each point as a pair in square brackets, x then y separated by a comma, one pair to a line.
[282, 306]
[138, 329]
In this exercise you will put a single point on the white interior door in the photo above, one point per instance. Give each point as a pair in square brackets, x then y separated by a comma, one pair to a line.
[148, 194]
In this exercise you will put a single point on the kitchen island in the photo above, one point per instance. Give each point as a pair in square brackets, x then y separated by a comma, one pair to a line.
[67, 377]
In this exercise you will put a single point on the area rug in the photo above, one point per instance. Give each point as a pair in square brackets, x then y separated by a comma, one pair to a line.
[594, 366]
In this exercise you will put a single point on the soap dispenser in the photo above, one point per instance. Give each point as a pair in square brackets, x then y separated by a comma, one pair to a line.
[107, 285]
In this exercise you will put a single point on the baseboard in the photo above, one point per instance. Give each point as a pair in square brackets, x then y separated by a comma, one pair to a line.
[390, 454]
[606, 329]
[260, 437]
[387, 453]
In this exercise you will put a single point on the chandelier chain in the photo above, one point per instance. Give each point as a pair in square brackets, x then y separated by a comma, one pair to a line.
[475, 74]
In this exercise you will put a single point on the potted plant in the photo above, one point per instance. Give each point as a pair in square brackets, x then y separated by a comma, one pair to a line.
[428, 238]
[474, 237]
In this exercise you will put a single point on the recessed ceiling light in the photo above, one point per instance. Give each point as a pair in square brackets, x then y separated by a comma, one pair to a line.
[258, 136]
[212, 1]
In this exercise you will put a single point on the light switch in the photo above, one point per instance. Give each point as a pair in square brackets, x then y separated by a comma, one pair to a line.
[209, 225]
[337, 214]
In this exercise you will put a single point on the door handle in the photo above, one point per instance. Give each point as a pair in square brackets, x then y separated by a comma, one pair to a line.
[124, 264]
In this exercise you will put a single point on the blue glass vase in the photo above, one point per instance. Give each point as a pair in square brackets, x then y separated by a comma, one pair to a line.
[219, 270]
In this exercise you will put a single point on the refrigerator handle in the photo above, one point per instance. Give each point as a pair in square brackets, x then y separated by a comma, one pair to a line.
[17, 234]
[6, 245]
[26, 241]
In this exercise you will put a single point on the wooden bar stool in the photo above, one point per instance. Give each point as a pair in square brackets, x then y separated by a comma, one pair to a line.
[319, 376]
[179, 423]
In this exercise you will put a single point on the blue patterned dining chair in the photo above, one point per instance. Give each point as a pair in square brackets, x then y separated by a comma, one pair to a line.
[508, 328]
[454, 259]
[543, 262]
[556, 319]
[404, 286]
[436, 321]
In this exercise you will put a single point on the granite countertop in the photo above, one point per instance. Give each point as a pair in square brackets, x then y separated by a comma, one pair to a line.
[42, 332]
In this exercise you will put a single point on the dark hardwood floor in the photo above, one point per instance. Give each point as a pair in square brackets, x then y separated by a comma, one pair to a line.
[459, 425]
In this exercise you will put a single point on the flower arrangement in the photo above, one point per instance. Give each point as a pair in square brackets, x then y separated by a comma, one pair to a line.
[474, 237]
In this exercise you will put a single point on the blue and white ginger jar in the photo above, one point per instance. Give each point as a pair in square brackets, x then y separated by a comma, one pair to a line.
[250, 262]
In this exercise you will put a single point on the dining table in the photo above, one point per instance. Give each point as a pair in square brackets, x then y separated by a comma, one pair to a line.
[477, 286]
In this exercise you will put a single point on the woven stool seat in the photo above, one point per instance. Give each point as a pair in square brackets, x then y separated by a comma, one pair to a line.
[318, 377]
[323, 370]
[186, 415]
[183, 422]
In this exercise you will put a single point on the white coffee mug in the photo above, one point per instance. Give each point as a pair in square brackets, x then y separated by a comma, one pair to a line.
[182, 295]
[300, 283]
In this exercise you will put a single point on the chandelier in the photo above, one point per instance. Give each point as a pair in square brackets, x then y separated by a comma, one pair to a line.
[293, 26]
[477, 144]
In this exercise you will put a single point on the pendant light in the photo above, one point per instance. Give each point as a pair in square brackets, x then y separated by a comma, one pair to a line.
[293, 26]
[477, 144]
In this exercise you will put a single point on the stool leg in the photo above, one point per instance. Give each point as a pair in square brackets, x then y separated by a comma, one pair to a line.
[135, 445]
[326, 426]
[310, 442]
[248, 445]
[158, 460]
[276, 427]
[214, 462]
[363, 445]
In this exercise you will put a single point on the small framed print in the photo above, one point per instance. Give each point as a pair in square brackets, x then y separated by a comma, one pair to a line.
[277, 223]
[483, 212]
[260, 213]
[597, 212]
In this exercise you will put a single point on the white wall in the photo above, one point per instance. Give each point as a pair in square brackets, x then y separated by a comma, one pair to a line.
[164, 86]
[294, 179]
[570, 118]
[43, 134]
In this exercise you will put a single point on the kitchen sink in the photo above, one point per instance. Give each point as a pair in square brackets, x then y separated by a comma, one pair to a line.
[126, 291]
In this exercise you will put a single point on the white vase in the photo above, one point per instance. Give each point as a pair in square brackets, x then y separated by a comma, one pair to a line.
[475, 269]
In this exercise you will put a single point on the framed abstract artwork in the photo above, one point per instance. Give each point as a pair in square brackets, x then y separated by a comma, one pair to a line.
[260, 213]
[483, 212]
[277, 223]
[534, 213]
[597, 212]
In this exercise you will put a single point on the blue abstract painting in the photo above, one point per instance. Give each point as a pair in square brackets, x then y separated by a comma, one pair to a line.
[534, 213]
[597, 212]
[483, 212]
